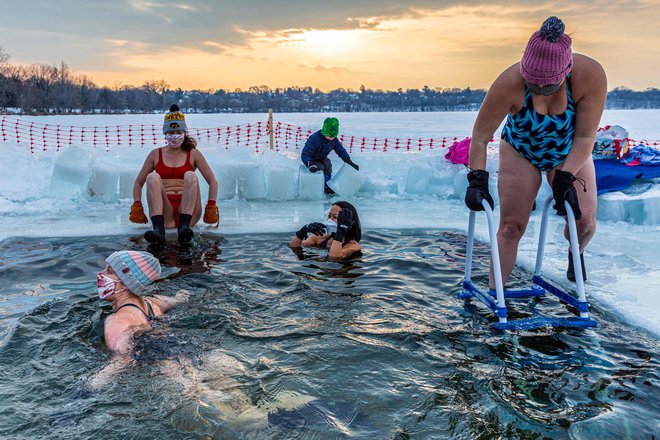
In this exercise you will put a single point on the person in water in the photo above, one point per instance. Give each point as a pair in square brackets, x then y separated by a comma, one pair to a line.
[340, 234]
[123, 282]
[212, 381]
[173, 192]
[553, 100]
[319, 145]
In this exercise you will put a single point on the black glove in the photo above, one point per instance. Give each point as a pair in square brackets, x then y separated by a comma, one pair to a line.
[344, 224]
[477, 190]
[314, 228]
[353, 164]
[564, 190]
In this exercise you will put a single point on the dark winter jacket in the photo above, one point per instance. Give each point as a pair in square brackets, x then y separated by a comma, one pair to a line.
[318, 147]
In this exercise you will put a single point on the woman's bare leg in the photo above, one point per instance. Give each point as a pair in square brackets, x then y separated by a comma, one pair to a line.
[191, 199]
[189, 194]
[197, 212]
[518, 183]
[586, 226]
[157, 199]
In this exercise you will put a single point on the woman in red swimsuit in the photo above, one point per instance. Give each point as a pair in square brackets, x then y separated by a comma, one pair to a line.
[173, 192]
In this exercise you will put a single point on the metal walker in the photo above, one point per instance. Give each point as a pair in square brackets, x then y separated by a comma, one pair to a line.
[496, 300]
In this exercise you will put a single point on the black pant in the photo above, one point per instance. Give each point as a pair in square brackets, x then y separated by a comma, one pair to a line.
[321, 165]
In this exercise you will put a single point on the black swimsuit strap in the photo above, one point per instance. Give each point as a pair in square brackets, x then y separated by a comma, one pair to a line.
[150, 309]
[149, 316]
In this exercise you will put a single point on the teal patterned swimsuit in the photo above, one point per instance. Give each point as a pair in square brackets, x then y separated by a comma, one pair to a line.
[544, 140]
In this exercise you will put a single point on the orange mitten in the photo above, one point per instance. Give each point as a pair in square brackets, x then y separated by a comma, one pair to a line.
[137, 213]
[211, 214]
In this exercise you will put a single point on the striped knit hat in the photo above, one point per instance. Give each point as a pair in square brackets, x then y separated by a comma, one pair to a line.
[135, 269]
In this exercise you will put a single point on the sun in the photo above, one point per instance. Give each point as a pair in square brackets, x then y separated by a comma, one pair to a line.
[330, 43]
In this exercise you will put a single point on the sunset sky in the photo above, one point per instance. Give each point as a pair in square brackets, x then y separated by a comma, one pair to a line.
[326, 44]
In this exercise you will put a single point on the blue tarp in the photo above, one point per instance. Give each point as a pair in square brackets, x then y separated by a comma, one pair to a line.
[611, 175]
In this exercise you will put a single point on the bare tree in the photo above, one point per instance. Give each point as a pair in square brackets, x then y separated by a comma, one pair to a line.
[156, 85]
[4, 57]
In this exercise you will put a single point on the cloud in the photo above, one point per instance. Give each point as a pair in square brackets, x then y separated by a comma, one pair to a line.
[331, 69]
[380, 40]
[144, 5]
[214, 47]
[158, 22]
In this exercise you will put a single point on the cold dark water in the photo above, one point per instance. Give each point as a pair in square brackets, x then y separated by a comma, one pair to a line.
[378, 347]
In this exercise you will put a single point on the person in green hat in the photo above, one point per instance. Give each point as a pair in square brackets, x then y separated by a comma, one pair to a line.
[318, 147]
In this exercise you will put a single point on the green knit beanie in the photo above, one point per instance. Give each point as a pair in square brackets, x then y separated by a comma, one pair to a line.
[330, 127]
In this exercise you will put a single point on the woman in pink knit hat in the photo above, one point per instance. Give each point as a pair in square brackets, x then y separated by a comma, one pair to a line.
[124, 279]
[553, 100]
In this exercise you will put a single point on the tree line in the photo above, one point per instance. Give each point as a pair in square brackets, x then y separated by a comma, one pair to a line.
[56, 89]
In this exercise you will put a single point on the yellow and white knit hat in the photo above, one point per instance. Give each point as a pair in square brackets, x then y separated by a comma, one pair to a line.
[175, 120]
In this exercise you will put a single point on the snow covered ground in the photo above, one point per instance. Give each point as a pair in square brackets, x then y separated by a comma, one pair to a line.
[39, 195]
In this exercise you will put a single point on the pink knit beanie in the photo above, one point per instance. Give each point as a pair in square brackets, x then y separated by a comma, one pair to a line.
[548, 57]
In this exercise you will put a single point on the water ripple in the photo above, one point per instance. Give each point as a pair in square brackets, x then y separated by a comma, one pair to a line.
[275, 344]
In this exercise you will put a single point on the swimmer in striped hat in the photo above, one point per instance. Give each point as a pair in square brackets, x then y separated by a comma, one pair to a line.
[126, 276]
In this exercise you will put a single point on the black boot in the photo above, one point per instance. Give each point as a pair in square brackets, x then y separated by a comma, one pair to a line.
[570, 273]
[328, 190]
[157, 235]
[185, 233]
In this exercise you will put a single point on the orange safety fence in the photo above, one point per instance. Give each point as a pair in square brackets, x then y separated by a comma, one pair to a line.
[47, 137]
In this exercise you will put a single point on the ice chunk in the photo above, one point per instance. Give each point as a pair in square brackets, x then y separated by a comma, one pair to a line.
[639, 209]
[492, 187]
[652, 208]
[460, 184]
[347, 181]
[203, 186]
[441, 181]
[310, 185]
[225, 173]
[445, 176]
[384, 186]
[250, 181]
[280, 183]
[102, 185]
[417, 180]
[71, 172]
[127, 175]
[634, 211]
[610, 208]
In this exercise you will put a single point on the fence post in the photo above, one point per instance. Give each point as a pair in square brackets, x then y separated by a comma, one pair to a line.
[270, 127]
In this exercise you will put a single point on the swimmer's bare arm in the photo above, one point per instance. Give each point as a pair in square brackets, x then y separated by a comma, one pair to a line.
[103, 377]
[147, 167]
[342, 252]
[312, 240]
[207, 173]
[497, 104]
[588, 111]
[295, 242]
[118, 334]
[167, 302]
